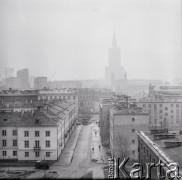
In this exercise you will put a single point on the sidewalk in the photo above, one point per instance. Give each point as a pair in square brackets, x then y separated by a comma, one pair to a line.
[98, 155]
[98, 173]
[67, 153]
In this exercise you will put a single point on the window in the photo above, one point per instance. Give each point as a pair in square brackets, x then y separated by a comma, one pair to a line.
[3, 132]
[47, 133]
[37, 144]
[171, 111]
[133, 119]
[147, 153]
[26, 154]
[166, 108]
[160, 111]
[149, 105]
[14, 132]
[14, 142]
[171, 105]
[166, 114]
[47, 143]
[4, 143]
[133, 152]
[144, 105]
[160, 105]
[37, 153]
[26, 133]
[48, 154]
[26, 144]
[74, 97]
[14, 153]
[133, 141]
[36, 133]
[154, 160]
[177, 105]
[4, 153]
[133, 130]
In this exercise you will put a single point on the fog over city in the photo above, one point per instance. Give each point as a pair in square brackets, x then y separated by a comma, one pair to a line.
[90, 89]
[71, 38]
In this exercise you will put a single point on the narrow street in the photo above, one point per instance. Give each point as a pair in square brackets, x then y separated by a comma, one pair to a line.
[78, 156]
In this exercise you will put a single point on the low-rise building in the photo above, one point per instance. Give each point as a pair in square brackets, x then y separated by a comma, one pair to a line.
[37, 135]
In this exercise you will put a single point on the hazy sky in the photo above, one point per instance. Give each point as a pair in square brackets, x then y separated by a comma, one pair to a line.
[72, 37]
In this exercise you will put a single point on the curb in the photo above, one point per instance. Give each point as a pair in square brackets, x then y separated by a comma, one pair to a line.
[75, 145]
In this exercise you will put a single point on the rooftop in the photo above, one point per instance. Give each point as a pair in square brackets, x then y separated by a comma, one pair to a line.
[12, 92]
[170, 154]
[130, 109]
[57, 91]
[49, 115]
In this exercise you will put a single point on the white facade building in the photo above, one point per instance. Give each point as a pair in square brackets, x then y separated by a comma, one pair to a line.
[37, 135]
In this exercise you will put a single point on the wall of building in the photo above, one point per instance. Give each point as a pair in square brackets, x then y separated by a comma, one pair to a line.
[126, 127]
[167, 114]
[9, 148]
[42, 139]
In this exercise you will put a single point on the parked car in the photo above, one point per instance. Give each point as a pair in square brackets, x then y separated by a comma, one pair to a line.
[78, 123]
[41, 165]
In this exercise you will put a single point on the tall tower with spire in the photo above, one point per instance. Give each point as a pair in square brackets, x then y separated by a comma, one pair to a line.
[114, 71]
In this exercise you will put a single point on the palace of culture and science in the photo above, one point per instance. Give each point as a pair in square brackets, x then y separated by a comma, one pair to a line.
[114, 73]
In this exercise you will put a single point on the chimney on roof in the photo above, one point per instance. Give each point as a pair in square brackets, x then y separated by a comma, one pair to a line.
[32, 112]
[22, 112]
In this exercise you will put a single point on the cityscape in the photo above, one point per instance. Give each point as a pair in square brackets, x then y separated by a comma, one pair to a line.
[65, 112]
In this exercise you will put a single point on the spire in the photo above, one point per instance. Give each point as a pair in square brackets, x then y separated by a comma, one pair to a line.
[114, 40]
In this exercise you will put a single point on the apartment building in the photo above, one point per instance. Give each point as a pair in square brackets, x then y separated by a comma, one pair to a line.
[164, 114]
[58, 94]
[125, 120]
[104, 107]
[159, 146]
[37, 135]
[164, 106]
[89, 98]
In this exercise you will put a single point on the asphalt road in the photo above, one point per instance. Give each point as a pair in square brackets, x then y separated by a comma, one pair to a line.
[80, 157]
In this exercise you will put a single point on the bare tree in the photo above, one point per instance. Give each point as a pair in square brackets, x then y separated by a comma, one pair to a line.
[121, 148]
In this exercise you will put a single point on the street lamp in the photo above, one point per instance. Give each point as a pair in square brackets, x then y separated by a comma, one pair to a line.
[44, 169]
[8, 163]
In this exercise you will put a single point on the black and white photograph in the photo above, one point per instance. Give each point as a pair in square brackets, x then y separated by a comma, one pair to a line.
[91, 89]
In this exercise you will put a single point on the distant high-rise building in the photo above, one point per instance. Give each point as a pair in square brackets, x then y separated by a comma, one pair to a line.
[9, 72]
[12, 82]
[114, 71]
[31, 81]
[40, 82]
[23, 76]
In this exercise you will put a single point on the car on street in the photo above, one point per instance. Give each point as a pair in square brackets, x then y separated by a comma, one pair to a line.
[41, 165]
